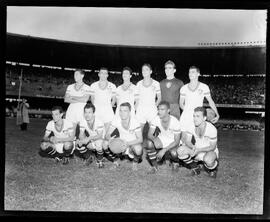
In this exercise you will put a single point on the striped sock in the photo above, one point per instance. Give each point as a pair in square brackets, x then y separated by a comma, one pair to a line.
[152, 154]
[112, 156]
[99, 155]
[211, 167]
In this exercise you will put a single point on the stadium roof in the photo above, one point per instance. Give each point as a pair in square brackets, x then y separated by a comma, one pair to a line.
[32, 50]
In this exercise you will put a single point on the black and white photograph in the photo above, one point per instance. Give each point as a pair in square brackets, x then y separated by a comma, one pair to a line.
[135, 110]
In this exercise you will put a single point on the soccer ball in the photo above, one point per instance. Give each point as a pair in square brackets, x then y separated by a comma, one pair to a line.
[117, 145]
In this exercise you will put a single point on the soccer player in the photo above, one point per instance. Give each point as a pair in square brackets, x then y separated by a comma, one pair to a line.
[200, 144]
[91, 134]
[127, 92]
[192, 96]
[170, 89]
[149, 97]
[103, 96]
[77, 94]
[59, 137]
[168, 139]
[129, 131]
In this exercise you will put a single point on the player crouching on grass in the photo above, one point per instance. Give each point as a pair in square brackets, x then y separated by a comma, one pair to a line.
[59, 137]
[130, 133]
[90, 137]
[163, 145]
[200, 145]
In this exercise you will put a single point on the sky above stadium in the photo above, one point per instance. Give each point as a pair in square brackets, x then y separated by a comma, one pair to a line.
[139, 26]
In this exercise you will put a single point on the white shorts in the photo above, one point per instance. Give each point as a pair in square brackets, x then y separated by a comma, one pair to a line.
[165, 140]
[105, 114]
[97, 144]
[201, 155]
[59, 147]
[186, 120]
[75, 112]
[146, 114]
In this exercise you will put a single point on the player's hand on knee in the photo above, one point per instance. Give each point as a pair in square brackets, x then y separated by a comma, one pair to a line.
[53, 139]
[160, 154]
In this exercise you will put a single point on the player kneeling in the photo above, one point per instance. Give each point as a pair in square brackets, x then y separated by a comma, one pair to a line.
[165, 144]
[59, 135]
[90, 137]
[130, 134]
[200, 144]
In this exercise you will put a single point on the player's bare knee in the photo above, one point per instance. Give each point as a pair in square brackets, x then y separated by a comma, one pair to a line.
[90, 146]
[105, 144]
[43, 146]
[68, 146]
[98, 148]
[181, 152]
[209, 158]
[149, 145]
[137, 149]
[173, 153]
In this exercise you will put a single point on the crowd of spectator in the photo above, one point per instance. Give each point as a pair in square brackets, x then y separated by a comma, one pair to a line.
[53, 83]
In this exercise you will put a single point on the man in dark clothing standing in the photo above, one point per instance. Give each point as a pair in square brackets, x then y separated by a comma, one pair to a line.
[170, 89]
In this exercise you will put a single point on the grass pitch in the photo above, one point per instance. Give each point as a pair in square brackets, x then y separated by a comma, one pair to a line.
[34, 183]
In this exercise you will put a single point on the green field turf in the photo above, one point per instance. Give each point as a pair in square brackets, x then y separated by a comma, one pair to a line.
[34, 183]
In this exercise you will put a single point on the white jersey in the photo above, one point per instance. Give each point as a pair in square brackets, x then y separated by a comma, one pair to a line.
[127, 134]
[75, 110]
[98, 126]
[147, 95]
[210, 134]
[129, 95]
[193, 99]
[166, 135]
[102, 101]
[82, 91]
[67, 129]
[103, 96]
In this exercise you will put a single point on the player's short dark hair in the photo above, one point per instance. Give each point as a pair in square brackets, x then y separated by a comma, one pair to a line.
[89, 106]
[80, 71]
[104, 68]
[148, 65]
[195, 67]
[127, 105]
[58, 108]
[201, 109]
[164, 103]
[170, 62]
[128, 69]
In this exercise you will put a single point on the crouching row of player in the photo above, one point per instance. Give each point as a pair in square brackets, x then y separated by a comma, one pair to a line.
[196, 148]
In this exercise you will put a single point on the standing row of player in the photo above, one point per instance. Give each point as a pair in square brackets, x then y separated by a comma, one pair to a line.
[140, 101]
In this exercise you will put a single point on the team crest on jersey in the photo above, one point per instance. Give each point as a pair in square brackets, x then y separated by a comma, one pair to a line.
[168, 84]
[109, 88]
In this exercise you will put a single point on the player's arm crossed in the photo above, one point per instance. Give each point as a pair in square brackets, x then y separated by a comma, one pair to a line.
[75, 99]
